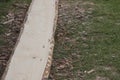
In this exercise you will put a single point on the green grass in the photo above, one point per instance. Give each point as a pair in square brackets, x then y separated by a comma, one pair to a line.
[5, 8]
[95, 40]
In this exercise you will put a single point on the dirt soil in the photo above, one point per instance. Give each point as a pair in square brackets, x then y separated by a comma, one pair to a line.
[13, 22]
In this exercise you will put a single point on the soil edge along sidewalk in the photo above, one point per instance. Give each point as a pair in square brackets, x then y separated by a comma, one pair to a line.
[12, 15]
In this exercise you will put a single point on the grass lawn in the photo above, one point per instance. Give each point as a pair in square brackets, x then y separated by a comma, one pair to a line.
[5, 8]
[87, 40]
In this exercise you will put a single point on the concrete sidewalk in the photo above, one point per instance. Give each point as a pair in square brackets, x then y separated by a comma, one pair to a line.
[35, 44]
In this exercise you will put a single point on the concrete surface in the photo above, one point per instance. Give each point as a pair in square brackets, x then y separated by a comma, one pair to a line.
[31, 54]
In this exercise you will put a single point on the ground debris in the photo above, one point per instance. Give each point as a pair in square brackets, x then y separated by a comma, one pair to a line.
[13, 22]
